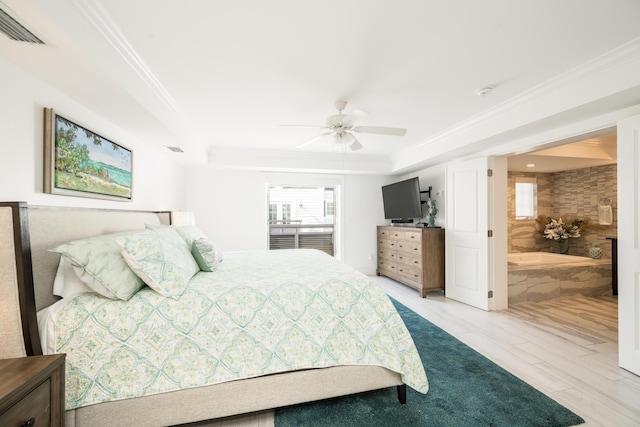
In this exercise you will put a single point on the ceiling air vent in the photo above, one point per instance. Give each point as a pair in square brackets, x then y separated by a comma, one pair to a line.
[15, 31]
[176, 149]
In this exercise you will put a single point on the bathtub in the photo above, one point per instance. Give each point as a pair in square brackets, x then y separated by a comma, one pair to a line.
[536, 258]
[544, 276]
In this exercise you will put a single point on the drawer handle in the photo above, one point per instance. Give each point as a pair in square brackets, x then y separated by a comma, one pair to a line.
[29, 423]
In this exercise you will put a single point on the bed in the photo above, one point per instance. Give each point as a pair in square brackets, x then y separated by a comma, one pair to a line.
[246, 326]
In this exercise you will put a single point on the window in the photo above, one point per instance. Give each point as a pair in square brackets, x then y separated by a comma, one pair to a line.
[526, 198]
[302, 217]
[286, 212]
[329, 208]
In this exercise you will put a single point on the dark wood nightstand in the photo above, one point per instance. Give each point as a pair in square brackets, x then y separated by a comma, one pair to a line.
[32, 391]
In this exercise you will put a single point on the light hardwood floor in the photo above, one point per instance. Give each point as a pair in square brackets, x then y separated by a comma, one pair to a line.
[567, 349]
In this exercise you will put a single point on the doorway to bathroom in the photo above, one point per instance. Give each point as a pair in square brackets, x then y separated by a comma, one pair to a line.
[569, 189]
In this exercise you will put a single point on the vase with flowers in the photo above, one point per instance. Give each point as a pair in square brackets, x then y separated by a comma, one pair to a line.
[562, 232]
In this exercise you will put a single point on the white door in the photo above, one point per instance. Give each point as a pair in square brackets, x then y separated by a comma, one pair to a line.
[629, 243]
[466, 254]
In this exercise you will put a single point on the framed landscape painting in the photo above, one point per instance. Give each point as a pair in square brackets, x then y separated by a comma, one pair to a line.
[80, 162]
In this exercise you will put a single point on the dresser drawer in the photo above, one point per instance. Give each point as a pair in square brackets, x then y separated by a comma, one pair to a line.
[412, 236]
[409, 260]
[385, 253]
[387, 265]
[383, 234]
[36, 405]
[410, 273]
[388, 244]
[396, 234]
[410, 247]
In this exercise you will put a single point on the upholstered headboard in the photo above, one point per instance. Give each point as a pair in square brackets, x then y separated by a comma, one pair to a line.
[36, 229]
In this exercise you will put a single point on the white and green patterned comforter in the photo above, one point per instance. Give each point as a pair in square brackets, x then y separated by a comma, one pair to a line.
[259, 313]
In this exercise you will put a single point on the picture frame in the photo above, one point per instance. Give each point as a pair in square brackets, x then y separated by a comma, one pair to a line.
[80, 162]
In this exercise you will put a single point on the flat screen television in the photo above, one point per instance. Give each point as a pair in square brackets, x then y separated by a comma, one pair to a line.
[402, 201]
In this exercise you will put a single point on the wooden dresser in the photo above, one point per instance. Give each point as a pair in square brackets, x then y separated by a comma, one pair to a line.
[413, 256]
[32, 391]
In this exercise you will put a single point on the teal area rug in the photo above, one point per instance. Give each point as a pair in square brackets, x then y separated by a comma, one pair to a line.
[465, 389]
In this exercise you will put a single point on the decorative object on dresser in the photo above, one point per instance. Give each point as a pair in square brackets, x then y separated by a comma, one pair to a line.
[413, 256]
[432, 211]
[32, 391]
[595, 251]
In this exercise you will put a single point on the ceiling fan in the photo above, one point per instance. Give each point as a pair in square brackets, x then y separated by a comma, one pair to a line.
[341, 127]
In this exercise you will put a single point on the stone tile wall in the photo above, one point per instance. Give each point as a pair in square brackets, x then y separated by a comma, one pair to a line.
[562, 194]
[577, 192]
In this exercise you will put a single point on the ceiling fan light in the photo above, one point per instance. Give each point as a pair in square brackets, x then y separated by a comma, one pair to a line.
[355, 146]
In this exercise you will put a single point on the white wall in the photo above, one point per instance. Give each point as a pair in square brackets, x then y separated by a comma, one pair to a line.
[363, 212]
[158, 181]
[230, 207]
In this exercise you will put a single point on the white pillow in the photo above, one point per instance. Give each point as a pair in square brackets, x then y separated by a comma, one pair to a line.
[99, 264]
[161, 259]
[67, 283]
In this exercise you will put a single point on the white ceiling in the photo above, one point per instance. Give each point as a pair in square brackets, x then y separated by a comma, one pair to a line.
[595, 151]
[218, 78]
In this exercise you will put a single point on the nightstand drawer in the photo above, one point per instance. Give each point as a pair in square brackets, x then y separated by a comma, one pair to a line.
[32, 388]
[33, 406]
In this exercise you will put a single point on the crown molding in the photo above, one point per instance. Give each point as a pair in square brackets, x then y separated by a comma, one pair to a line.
[100, 19]
[613, 58]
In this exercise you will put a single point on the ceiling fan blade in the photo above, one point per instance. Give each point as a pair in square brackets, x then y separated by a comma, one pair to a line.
[380, 130]
[305, 126]
[352, 117]
[355, 145]
[312, 140]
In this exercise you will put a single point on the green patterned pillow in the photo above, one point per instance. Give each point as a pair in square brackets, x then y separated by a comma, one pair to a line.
[206, 254]
[160, 258]
[99, 264]
[189, 233]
